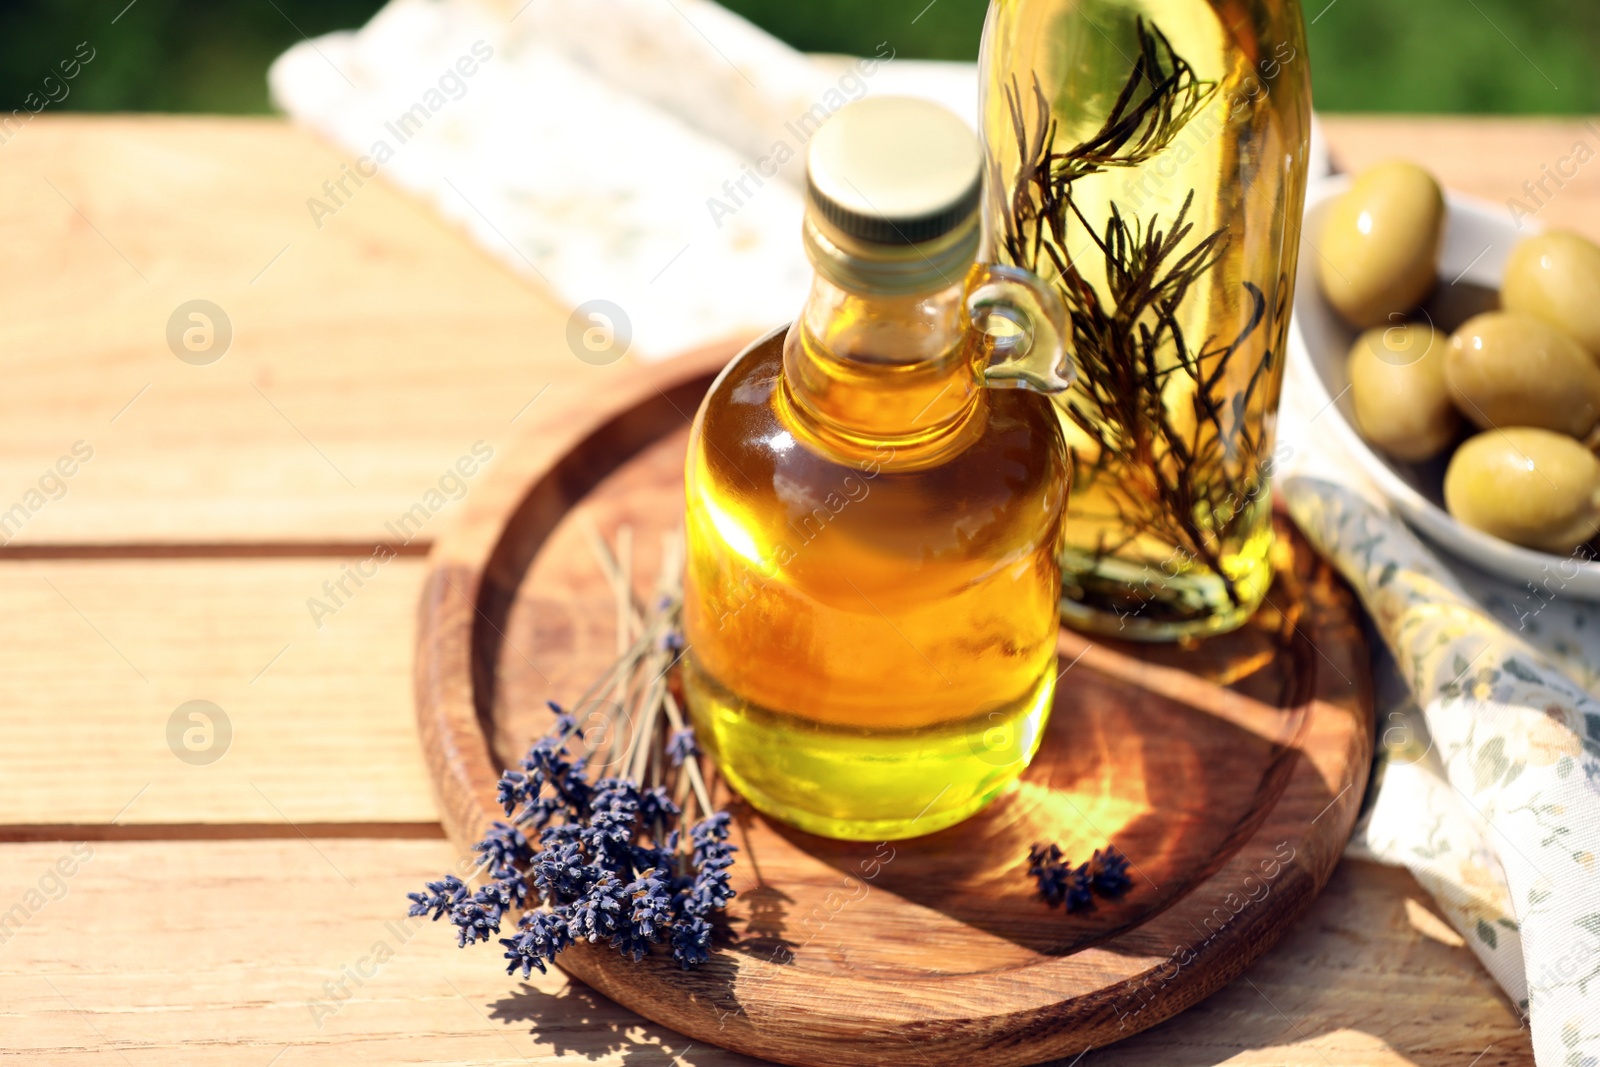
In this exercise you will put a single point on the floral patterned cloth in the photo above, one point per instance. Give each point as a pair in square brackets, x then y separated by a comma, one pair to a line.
[1488, 785]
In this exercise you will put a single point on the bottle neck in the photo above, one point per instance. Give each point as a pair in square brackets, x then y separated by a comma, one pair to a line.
[884, 372]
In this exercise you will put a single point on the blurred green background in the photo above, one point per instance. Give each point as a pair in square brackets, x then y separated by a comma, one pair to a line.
[1504, 56]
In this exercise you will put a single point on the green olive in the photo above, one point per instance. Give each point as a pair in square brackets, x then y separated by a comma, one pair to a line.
[1556, 277]
[1379, 246]
[1506, 369]
[1530, 487]
[1397, 385]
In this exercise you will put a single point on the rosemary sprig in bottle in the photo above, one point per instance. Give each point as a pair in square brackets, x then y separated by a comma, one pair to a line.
[1188, 482]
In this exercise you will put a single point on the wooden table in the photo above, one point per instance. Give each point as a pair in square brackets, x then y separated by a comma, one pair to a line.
[247, 910]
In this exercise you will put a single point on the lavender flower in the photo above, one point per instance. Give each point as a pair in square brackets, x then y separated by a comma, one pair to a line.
[711, 829]
[1062, 883]
[440, 897]
[476, 920]
[613, 817]
[514, 789]
[1079, 890]
[506, 893]
[656, 806]
[609, 865]
[682, 746]
[709, 890]
[549, 764]
[601, 911]
[1108, 870]
[560, 871]
[650, 918]
[656, 859]
[544, 934]
[691, 941]
[1047, 868]
[652, 903]
[502, 849]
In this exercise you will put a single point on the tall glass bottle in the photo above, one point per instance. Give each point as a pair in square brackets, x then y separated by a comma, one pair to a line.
[875, 507]
[1149, 156]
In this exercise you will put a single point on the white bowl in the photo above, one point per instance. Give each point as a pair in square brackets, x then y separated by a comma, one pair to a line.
[1478, 238]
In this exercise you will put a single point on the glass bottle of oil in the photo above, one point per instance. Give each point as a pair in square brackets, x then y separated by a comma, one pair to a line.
[875, 501]
[1149, 156]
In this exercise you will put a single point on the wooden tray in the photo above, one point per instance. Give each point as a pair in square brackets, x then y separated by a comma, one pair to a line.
[1230, 774]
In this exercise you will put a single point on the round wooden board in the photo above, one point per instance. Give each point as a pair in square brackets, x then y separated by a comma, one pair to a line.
[1230, 774]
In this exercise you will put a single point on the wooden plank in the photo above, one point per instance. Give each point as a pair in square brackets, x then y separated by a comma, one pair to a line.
[104, 652]
[1487, 157]
[239, 952]
[367, 354]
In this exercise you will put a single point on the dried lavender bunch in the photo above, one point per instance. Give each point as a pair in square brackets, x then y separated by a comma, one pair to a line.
[610, 866]
[610, 859]
[1106, 873]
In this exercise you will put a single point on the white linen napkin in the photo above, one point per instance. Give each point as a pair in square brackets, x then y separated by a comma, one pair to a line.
[637, 152]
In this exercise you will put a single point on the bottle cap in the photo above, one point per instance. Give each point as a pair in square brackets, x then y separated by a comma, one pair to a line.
[894, 170]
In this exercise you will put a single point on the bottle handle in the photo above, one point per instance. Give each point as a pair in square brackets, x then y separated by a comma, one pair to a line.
[1032, 353]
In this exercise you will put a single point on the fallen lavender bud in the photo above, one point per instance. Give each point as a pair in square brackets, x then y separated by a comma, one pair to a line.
[1061, 883]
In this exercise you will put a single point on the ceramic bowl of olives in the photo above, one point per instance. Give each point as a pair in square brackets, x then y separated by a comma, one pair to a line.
[1458, 358]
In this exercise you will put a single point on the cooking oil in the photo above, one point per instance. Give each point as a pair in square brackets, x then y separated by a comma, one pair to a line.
[875, 505]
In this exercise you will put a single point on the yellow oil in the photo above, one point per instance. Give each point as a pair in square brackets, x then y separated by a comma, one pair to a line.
[871, 617]
[1161, 544]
